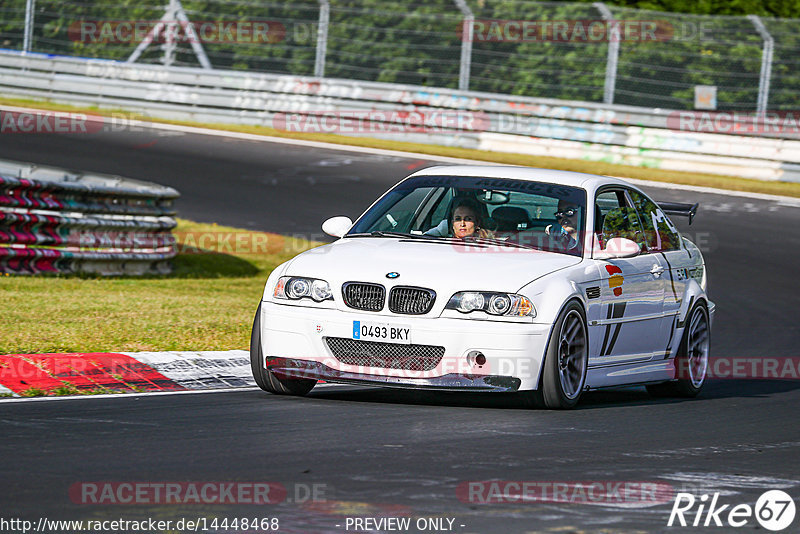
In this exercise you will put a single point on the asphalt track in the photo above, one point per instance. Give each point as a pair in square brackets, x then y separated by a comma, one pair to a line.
[381, 452]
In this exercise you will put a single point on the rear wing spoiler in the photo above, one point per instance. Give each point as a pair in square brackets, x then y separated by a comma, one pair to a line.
[679, 208]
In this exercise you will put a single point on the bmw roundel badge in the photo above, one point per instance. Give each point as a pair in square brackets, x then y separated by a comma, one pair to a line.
[392, 275]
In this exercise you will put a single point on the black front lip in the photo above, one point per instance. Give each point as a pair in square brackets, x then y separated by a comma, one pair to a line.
[293, 368]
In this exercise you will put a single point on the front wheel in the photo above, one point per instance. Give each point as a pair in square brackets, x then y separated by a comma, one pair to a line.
[691, 361]
[566, 361]
[266, 379]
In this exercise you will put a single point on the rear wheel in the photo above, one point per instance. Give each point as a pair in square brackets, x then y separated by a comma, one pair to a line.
[691, 362]
[265, 379]
[565, 364]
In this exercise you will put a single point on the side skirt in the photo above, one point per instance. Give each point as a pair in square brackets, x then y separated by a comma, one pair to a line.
[630, 374]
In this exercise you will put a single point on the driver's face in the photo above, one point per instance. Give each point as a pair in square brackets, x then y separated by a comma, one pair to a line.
[567, 216]
[464, 220]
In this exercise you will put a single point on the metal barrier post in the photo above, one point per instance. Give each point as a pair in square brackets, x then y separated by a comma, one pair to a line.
[194, 39]
[766, 64]
[168, 24]
[322, 38]
[170, 31]
[467, 29]
[613, 53]
[27, 39]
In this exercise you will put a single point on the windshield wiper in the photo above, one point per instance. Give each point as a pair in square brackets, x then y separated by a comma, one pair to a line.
[383, 233]
[496, 241]
[450, 239]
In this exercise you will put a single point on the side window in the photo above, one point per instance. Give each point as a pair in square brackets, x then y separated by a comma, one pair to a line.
[614, 218]
[605, 202]
[660, 233]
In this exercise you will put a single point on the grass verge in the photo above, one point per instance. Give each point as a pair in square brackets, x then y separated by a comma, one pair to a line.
[596, 167]
[68, 390]
[208, 303]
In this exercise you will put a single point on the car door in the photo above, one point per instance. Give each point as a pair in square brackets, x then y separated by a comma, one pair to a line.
[628, 328]
[662, 238]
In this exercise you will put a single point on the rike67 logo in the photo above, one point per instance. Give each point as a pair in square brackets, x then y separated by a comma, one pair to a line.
[774, 510]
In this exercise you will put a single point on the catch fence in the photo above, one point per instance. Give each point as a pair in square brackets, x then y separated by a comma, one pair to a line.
[590, 52]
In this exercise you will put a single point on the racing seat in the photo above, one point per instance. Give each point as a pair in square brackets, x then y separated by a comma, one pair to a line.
[511, 219]
[598, 224]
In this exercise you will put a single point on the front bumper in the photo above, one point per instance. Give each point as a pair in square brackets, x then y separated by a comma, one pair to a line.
[294, 343]
[290, 368]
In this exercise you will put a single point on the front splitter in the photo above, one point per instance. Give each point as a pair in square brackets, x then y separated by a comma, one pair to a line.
[294, 368]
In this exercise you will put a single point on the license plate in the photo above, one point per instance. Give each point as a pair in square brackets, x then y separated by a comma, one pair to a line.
[390, 333]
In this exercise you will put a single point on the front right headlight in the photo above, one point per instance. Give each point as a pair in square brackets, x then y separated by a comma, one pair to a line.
[298, 287]
[504, 304]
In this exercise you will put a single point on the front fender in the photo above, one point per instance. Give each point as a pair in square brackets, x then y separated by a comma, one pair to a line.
[549, 294]
[272, 279]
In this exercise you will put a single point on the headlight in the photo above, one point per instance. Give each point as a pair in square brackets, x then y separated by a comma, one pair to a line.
[499, 304]
[298, 287]
[469, 301]
[505, 304]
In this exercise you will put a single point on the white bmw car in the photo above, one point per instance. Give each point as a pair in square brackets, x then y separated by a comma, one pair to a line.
[493, 279]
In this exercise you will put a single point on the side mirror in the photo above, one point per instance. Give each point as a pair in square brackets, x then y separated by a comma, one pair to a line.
[618, 247]
[337, 226]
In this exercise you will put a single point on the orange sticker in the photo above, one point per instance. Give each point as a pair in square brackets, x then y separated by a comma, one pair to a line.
[616, 279]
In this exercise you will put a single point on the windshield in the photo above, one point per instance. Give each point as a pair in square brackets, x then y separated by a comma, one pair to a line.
[536, 215]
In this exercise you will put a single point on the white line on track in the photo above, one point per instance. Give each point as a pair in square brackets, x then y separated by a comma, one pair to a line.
[785, 201]
[791, 202]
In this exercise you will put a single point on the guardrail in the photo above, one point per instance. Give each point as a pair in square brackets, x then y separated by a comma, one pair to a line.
[588, 51]
[486, 121]
[55, 221]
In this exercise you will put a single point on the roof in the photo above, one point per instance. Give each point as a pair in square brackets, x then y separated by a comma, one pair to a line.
[574, 179]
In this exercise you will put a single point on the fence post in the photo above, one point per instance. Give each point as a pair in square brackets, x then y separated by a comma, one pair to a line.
[173, 14]
[766, 64]
[467, 29]
[322, 38]
[170, 30]
[613, 52]
[27, 37]
[194, 39]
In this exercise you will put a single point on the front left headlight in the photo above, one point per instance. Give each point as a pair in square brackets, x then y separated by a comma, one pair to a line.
[298, 287]
[503, 304]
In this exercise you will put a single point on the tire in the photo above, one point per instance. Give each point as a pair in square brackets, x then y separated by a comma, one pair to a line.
[691, 361]
[267, 380]
[565, 363]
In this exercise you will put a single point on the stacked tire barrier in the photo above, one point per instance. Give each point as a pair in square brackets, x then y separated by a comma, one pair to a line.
[653, 138]
[54, 221]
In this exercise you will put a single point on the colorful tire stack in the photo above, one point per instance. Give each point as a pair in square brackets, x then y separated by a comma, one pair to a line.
[54, 221]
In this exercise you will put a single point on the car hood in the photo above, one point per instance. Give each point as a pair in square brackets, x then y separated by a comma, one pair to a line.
[445, 266]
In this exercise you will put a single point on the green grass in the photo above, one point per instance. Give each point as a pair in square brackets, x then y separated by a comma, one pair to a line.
[67, 390]
[596, 167]
[208, 303]
[33, 392]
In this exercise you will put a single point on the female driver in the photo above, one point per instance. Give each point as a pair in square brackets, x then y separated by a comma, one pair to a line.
[465, 222]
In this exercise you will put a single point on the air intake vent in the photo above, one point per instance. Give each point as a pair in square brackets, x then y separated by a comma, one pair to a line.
[593, 292]
[385, 355]
[411, 300]
[363, 296]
